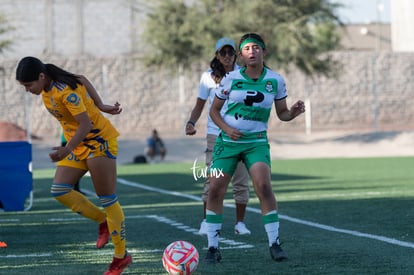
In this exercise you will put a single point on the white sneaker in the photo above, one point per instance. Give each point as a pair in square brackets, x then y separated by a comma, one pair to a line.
[241, 229]
[203, 228]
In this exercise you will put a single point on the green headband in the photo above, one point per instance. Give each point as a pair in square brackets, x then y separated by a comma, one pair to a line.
[251, 40]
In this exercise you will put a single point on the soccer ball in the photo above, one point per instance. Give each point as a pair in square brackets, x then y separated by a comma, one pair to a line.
[179, 258]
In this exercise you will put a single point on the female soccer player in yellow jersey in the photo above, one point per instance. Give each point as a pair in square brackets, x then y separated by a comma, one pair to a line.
[92, 146]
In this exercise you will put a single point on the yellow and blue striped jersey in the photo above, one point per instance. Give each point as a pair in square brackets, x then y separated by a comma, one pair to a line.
[64, 104]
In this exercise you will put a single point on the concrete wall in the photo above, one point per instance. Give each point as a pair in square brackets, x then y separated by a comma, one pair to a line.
[77, 27]
[402, 25]
[374, 92]
[100, 38]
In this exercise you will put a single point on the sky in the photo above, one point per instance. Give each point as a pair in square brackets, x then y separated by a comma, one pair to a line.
[364, 11]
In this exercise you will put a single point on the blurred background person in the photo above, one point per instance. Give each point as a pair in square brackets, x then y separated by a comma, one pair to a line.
[224, 61]
[155, 147]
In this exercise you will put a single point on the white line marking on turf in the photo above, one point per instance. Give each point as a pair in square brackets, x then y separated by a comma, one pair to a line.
[159, 190]
[283, 217]
[89, 193]
[231, 243]
[66, 219]
[27, 255]
[351, 232]
[132, 251]
[101, 252]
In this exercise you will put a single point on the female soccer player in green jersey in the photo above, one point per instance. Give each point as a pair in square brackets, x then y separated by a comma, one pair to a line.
[92, 146]
[250, 93]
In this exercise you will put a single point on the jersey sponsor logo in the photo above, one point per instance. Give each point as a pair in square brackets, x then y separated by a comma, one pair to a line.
[237, 116]
[251, 113]
[252, 97]
[247, 117]
[238, 85]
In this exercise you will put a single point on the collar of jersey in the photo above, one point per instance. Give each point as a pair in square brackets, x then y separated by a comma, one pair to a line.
[243, 73]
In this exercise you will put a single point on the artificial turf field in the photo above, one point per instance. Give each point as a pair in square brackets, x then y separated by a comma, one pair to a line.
[337, 216]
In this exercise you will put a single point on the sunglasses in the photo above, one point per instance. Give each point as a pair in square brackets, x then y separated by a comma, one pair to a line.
[229, 52]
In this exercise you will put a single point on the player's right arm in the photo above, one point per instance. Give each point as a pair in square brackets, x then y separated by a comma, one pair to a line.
[203, 95]
[84, 127]
[195, 115]
[110, 109]
[215, 115]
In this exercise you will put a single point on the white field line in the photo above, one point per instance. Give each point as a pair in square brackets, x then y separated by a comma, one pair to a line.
[100, 252]
[88, 192]
[231, 244]
[33, 255]
[9, 220]
[283, 217]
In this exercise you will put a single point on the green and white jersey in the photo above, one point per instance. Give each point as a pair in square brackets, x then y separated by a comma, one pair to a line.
[250, 102]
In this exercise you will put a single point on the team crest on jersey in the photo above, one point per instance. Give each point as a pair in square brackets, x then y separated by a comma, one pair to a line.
[269, 86]
[73, 98]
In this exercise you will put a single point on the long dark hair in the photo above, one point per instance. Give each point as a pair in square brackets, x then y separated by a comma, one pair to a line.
[30, 67]
[218, 71]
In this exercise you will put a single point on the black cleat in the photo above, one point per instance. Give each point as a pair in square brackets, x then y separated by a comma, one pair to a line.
[277, 253]
[213, 255]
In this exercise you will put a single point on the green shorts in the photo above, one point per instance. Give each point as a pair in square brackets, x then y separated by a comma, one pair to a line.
[226, 155]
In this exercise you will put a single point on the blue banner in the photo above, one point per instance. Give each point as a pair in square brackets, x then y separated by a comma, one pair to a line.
[16, 180]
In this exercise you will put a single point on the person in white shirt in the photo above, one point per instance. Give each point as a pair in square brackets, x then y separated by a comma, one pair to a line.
[223, 62]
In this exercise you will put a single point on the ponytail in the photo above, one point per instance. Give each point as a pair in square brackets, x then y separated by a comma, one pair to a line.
[29, 69]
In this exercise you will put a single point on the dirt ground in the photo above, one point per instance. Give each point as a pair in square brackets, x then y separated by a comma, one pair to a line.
[318, 145]
[292, 146]
[344, 144]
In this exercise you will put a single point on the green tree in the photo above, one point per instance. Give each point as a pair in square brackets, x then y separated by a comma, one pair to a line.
[172, 35]
[298, 33]
[4, 43]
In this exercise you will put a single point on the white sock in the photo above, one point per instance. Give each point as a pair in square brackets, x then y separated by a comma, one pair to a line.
[271, 225]
[272, 230]
[213, 229]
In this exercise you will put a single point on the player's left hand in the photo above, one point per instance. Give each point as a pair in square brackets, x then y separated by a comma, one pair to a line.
[59, 154]
[297, 108]
[190, 130]
[233, 133]
[112, 109]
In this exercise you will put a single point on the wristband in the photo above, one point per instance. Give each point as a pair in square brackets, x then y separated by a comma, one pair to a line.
[191, 122]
